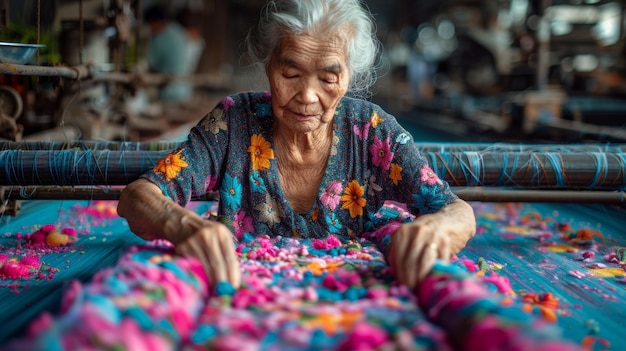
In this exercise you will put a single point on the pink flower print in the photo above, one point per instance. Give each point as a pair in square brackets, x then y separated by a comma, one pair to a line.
[228, 102]
[242, 224]
[209, 182]
[381, 153]
[428, 176]
[364, 132]
[330, 198]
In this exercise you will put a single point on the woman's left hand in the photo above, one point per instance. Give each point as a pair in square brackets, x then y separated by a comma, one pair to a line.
[415, 246]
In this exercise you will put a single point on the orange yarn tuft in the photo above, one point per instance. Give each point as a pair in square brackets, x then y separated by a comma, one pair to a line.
[57, 239]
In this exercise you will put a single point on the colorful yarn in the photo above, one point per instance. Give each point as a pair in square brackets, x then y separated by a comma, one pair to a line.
[338, 294]
[335, 294]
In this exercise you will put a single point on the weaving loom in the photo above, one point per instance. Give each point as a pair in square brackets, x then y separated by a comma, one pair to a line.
[535, 272]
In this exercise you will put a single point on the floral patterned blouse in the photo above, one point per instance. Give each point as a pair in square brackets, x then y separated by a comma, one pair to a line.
[374, 167]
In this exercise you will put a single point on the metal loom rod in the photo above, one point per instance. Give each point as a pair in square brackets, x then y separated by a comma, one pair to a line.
[89, 145]
[547, 196]
[75, 72]
[73, 193]
[468, 194]
[87, 72]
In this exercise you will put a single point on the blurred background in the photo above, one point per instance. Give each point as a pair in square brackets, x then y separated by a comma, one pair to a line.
[459, 70]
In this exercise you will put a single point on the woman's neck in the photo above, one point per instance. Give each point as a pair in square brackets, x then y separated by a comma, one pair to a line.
[302, 164]
[303, 150]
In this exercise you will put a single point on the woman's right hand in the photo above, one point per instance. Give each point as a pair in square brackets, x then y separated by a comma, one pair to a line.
[151, 215]
[212, 243]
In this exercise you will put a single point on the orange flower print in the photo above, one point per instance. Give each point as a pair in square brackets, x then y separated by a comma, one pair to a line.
[353, 200]
[315, 214]
[375, 119]
[396, 173]
[171, 165]
[260, 152]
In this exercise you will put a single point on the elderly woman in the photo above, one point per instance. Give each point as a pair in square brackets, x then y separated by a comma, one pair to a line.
[304, 159]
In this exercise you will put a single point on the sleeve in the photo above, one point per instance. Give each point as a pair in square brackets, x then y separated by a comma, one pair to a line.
[194, 167]
[401, 183]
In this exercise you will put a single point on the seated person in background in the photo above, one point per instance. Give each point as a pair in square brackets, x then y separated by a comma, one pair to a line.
[167, 54]
[303, 159]
[195, 41]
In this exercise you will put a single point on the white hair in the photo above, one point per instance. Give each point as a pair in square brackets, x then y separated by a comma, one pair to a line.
[281, 18]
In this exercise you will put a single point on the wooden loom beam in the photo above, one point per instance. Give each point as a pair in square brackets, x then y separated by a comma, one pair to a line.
[526, 169]
[497, 172]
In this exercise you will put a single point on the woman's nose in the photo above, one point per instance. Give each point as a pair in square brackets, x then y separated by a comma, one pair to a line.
[308, 92]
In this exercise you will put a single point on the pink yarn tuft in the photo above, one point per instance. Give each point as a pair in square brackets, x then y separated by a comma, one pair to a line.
[38, 237]
[31, 261]
[69, 231]
[47, 228]
[14, 270]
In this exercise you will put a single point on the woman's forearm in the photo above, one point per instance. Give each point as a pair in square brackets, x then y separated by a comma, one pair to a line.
[460, 215]
[151, 215]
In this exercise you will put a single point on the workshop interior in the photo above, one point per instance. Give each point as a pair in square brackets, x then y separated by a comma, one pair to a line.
[519, 104]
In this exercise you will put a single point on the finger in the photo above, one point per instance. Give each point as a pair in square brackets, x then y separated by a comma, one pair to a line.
[393, 256]
[402, 242]
[429, 256]
[193, 221]
[445, 251]
[189, 248]
[413, 261]
[233, 273]
[203, 247]
[215, 257]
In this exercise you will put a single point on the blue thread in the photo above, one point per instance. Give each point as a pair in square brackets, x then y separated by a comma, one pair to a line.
[622, 158]
[601, 165]
[559, 172]
[503, 173]
[514, 167]
[476, 169]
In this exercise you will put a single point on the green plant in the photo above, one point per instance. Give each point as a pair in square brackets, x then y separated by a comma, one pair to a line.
[20, 33]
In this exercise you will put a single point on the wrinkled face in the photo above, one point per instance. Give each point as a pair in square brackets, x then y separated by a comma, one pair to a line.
[308, 76]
